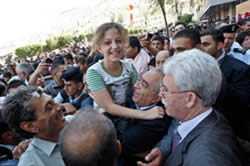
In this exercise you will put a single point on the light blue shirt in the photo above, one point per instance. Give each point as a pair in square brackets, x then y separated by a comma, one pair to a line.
[237, 55]
[186, 127]
[41, 153]
[144, 108]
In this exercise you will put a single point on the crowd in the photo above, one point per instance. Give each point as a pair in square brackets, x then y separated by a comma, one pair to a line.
[144, 100]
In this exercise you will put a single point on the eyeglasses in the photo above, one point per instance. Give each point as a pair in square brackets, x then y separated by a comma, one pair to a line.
[143, 83]
[166, 91]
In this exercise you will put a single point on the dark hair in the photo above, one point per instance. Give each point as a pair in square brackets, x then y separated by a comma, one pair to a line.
[17, 109]
[241, 36]
[159, 38]
[56, 63]
[15, 84]
[68, 56]
[7, 74]
[81, 60]
[217, 35]
[191, 34]
[88, 123]
[73, 74]
[134, 42]
[180, 23]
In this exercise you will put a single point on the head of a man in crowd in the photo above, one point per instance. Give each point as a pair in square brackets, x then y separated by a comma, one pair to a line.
[212, 42]
[186, 40]
[84, 82]
[68, 59]
[133, 48]
[7, 136]
[179, 26]
[158, 42]
[186, 87]
[23, 70]
[82, 63]
[57, 70]
[166, 44]
[246, 24]
[7, 76]
[243, 38]
[147, 88]
[15, 84]
[89, 140]
[221, 24]
[73, 81]
[30, 112]
[160, 58]
[229, 33]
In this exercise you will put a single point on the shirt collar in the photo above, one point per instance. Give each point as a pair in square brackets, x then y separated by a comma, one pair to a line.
[76, 99]
[46, 146]
[186, 127]
[144, 108]
[221, 57]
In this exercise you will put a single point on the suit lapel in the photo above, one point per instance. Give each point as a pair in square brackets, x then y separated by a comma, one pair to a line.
[177, 156]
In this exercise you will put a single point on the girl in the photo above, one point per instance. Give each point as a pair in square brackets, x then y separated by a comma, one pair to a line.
[110, 78]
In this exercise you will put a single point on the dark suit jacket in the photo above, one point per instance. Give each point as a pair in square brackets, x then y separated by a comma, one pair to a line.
[142, 136]
[236, 89]
[210, 143]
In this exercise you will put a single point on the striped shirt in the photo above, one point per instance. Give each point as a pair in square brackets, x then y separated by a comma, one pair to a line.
[99, 79]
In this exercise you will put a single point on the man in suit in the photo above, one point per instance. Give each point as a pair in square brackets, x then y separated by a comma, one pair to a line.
[203, 136]
[142, 135]
[236, 83]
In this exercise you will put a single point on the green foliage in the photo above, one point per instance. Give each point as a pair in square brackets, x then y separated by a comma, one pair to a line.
[186, 18]
[89, 36]
[134, 31]
[79, 38]
[58, 42]
[29, 50]
[63, 41]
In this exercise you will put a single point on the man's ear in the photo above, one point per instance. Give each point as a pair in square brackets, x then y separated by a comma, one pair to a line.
[198, 46]
[220, 45]
[29, 127]
[118, 148]
[80, 85]
[191, 100]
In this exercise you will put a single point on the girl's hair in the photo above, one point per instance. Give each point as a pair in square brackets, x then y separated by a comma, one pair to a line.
[99, 34]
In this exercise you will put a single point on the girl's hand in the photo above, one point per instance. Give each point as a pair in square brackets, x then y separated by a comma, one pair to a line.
[154, 113]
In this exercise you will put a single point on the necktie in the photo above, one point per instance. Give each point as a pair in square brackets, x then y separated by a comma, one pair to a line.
[176, 139]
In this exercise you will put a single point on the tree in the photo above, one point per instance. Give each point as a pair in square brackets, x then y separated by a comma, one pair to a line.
[120, 19]
[161, 4]
[29, 50]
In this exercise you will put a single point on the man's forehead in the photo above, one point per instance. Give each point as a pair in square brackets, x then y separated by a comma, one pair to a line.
[206, 38]
[229, 34]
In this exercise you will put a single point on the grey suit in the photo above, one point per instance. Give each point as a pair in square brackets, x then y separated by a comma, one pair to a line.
[210, 143]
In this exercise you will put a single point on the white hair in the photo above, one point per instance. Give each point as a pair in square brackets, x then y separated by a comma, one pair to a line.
[25, 67]
[196, 71]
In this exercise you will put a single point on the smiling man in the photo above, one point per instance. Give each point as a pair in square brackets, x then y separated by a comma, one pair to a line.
[31, 113]
[142, 135]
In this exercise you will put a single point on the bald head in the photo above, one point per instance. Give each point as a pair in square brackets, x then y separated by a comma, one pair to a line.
[161, 57]
[88, 140]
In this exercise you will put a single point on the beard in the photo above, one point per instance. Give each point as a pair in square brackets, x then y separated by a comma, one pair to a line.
[164, 103]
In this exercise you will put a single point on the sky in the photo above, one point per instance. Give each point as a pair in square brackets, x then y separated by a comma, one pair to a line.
[21, 19]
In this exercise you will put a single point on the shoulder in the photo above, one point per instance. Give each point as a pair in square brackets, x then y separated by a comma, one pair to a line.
[96, 66]
[27, 158]
[235, 63]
